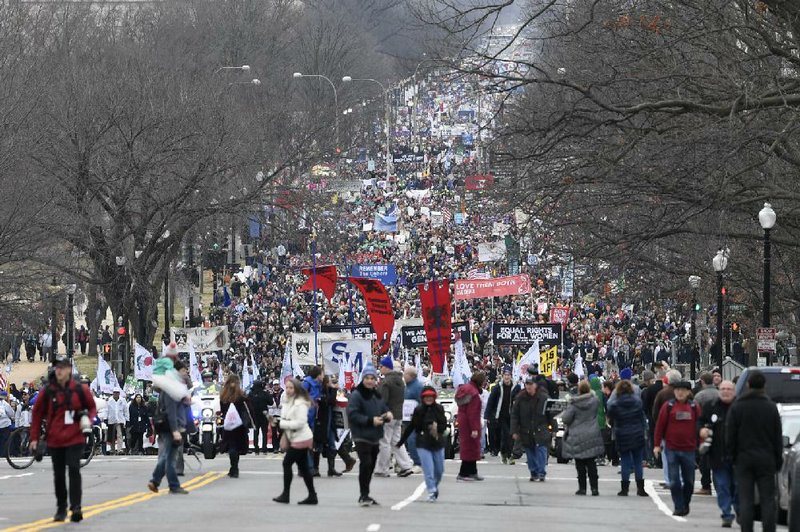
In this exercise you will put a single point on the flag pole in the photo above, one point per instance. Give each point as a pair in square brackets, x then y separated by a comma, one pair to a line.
[349, 297]
[314, 286]
[436, 304]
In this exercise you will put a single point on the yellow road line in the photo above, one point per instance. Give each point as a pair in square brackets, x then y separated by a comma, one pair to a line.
[122, 502]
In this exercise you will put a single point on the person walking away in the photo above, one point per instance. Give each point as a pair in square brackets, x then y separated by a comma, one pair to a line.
[298, 440]
[677, 427]
[118, 417]
[529, 426]
[411, 399]
[704, 396]
[313, 385]
[7, 417]
[392, 389]
[754, 441]
[367, 412]
[428, 422]
[261, 401]
[498, 412]
[237, 422]
[169, 419]
[275, 412]
[666, 394]
[139, 420]
[325, 421]
[712, 423]
[597, 388]
[584, 441]
[64, 405]
[468, 399]
[650, 388]
[630, 428]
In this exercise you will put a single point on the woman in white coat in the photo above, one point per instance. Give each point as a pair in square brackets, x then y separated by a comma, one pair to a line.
[297, 439]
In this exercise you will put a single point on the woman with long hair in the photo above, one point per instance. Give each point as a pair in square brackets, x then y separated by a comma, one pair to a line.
[468, 399]
[235, 432]
[299, 439]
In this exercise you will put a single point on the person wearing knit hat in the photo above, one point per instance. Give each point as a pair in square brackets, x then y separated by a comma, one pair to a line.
[626, 374]
[393, 390]
[367, 412]
[387, 362]
[428, 423]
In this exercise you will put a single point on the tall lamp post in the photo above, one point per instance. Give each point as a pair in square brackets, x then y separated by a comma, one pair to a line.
[386, 125]
[720, 262]
[767, 218]
[54, 290]
[70, 325]
[694, 282]
[299, 75]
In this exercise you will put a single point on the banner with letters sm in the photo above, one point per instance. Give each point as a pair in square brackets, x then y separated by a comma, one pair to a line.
[414, 336]
[204, 339]
[385, 273]
[513, 285]
[548, 334]
[351, 353]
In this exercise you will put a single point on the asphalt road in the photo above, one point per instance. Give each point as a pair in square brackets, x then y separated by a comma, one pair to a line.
[116, 498]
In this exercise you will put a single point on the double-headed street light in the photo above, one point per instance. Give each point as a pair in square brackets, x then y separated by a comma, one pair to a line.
[720, 262]
[694, 282]
[767, 218]
[299, 75]
[242, 68]
[349, 79]
[254, 81]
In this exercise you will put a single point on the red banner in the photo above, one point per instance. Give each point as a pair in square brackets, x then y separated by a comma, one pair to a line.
[514, 285]
[325, 280]
[435, 299]
[479, 182]
[379, 308]
[559, 315]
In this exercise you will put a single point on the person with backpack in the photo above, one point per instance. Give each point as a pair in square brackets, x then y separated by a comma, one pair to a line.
[677, 427]
[237, 422]
[66, 407]
[168, 420]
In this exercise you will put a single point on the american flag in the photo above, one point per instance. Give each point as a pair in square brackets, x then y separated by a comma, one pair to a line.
[476, 273]
[447, 215]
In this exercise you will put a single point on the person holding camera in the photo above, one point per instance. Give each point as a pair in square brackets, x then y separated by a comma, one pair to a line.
[367, 412]
[66, 409]
[712, 447]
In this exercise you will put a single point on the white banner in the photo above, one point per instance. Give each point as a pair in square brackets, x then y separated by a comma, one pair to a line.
[143, 363]
[303, 347]
[105, 381]
[350, 352]
[204, 339]
[528, 359]
[492, 251]
[461, 370]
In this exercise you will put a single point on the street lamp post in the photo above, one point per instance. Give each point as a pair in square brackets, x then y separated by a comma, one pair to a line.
[243, 68]
[53, 321]
[720, 262]
[70, 326]
[694, 282]
[348, 79]
[298, 75]
[767, 218]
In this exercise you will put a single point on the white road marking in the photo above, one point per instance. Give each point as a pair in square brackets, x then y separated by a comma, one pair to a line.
[413, 497]
[5, 477]
[650, 488]
[374, 527]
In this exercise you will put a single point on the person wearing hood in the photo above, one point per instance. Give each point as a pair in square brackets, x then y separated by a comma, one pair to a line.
[392, 390]
[498, 415]
[428, 423]
[468, 399]
[529, 425]
[367, 412]
[630, 425]
[583, 440]
[261, 401]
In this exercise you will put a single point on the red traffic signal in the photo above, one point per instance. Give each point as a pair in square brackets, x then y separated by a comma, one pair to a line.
[724, 291]
[121, 331]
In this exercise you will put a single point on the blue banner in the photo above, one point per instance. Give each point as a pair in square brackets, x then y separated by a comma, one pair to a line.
[385, 273]
[386, 222]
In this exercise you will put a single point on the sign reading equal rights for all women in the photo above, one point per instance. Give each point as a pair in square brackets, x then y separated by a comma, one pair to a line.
[548, 334]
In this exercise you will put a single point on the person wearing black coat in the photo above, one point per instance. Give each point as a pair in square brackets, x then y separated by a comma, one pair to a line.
[325, 431]
[235, 439]
[261, 401]
[712, 423]
[139, 423]
[629, 422]
[754, 440]
[428, 423]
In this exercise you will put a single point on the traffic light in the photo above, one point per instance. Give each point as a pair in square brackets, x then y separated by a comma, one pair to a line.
[724, 291]
[122, 341]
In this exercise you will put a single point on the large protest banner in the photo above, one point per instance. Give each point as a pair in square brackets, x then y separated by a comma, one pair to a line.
[362, 331]
[548, 334]
[385, 273]
[203, 339]
[414, 336]
[500, 286]
[353, 353]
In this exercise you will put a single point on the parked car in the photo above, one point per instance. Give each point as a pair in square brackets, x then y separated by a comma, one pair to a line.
[783, 383]
[788, 492]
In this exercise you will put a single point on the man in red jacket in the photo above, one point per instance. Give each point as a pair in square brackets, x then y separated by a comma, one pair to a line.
[60, 405]
[677, 427]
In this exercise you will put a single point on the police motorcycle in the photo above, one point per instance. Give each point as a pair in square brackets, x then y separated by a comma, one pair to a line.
[206, 413]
